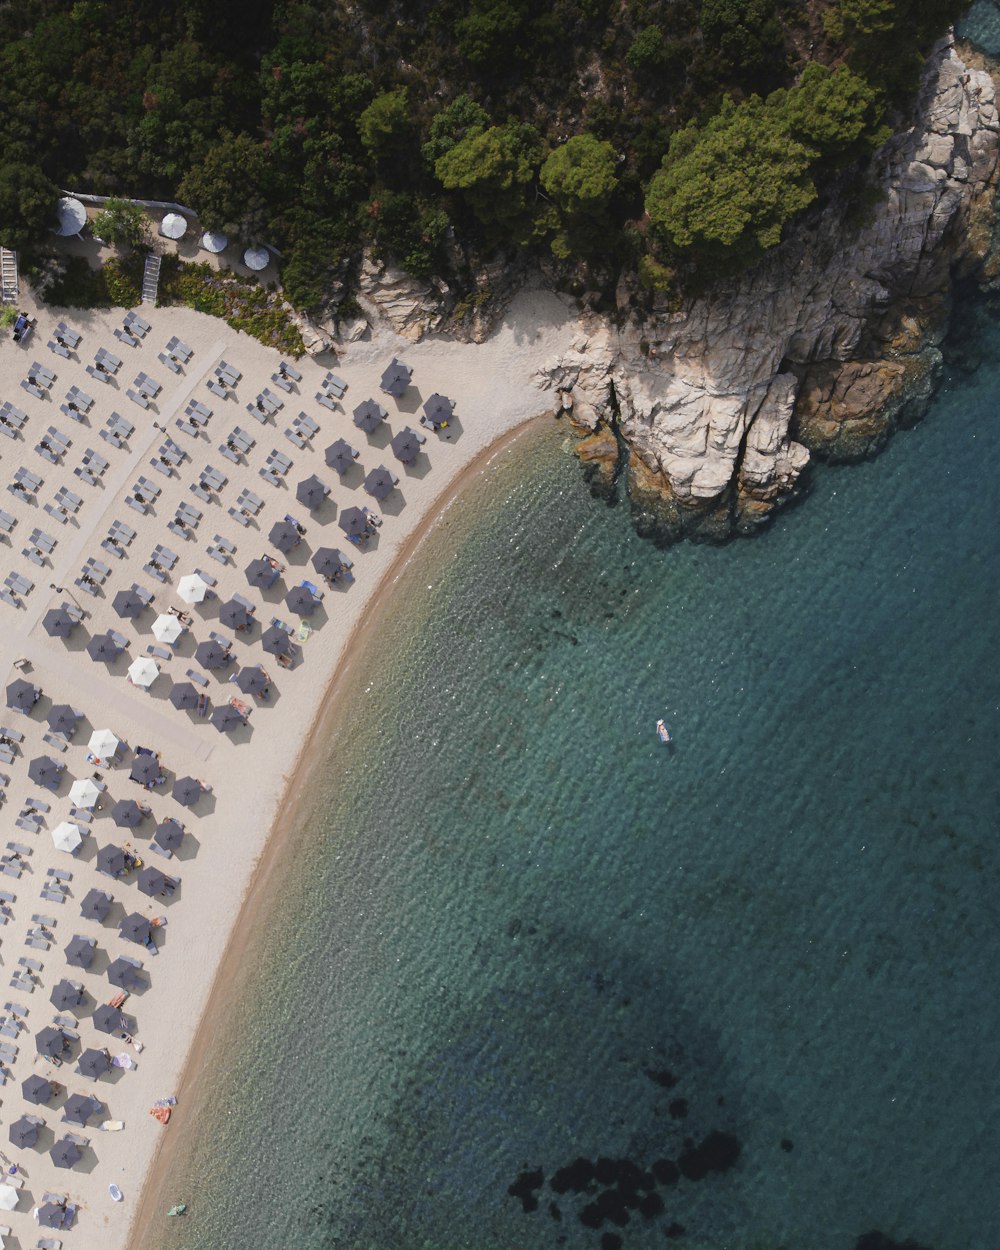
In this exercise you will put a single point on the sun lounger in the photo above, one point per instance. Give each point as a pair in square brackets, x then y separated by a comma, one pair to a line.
[53, 896]
[136, 398]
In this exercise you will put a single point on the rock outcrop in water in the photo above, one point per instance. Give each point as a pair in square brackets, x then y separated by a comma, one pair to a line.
[825, 347]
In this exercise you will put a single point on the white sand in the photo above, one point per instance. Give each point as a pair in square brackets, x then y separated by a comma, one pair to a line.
[494, 392]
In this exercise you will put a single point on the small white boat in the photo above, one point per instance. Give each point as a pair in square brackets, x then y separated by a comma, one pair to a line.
[662, 731]
[115, 1192]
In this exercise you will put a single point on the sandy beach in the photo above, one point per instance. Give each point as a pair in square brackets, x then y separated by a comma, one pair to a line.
[256, 773]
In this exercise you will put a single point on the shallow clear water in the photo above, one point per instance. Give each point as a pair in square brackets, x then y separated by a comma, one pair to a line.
[520, 930]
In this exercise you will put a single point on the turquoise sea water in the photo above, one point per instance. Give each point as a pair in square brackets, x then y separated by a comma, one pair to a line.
[519, 932]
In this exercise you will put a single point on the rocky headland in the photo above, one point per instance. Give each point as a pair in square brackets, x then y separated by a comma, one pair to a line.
[822, 349]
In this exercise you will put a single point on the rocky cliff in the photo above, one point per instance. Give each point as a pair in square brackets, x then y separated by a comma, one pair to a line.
[823, 348]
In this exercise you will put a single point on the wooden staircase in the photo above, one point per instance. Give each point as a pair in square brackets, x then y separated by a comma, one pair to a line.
[150, 279]
[10, 286]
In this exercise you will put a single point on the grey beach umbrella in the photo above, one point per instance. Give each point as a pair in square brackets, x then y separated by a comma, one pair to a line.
[211, 654]
[234, 615]
[405, 446]
[396, 378]
[124, 974]
[276, 641]
[58, 623]
[368, 416]
[65, 1153]
[252, 680]
[80, 951]
[38, 1090]
[145, 769]
[78, 1108]
[128, 604]
[24, 1132]
[107, 1019]
[95, 906]
[183, 696]
[380, 483]
[186, 791]
[50, 1041]
[65, 994]
[169, 835]
[311, 493]
[284, 536]
[135, 928]
[22, 695]
[329, 562]
[62, 719]
[226, 718]
[127, 814]
[301, 600]
[340, 456]
[261, 572]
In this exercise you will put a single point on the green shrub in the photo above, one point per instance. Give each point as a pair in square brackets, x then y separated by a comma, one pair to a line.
[123, 282]
[385, 124]
[648, 51]
[730, 185]
[121, 223]
[241, 302]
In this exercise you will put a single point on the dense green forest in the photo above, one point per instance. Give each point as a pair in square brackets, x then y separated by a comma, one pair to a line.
[671, 137]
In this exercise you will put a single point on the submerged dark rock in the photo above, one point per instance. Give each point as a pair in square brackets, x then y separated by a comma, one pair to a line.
[524, 1188]
[665, 1078]
[666, 1172]
[577, 1178]
[717, 1152]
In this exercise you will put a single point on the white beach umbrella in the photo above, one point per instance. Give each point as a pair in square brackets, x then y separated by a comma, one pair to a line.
[84, 793]
[8, 1197]
[167, 628]
[256, 258]
[173, 226]
[192, 589]
[103, 743]
[214, 241]
[72, 216]
[67, 836]
[143, 671]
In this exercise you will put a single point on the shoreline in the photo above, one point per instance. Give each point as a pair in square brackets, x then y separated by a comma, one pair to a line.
[252, 773]
[299, 799]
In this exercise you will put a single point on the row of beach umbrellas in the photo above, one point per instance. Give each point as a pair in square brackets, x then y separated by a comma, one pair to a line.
[71, 217]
